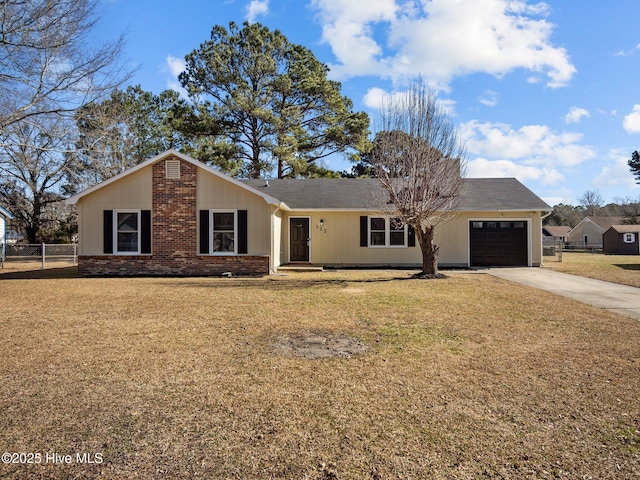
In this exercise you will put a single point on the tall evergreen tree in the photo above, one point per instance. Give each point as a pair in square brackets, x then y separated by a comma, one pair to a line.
[273, 99]
[634, 165]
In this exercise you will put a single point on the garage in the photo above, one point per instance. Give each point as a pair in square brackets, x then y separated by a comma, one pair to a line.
[498, 243]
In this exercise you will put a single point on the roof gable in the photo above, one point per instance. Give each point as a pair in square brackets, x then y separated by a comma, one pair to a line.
[603, 223]
[173, 153]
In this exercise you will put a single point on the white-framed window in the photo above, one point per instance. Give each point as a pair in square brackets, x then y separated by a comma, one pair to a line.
[387, 232]
[629, 237]
[224, 228]
[126, 232]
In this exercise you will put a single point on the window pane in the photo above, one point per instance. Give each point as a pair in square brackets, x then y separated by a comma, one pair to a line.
[223, 242]
[127, 222]
[518, 224]
[377, 238]
[396, 224]
[223, 221]
[127, 233]
[397, 238]
[127, 241]
[477, 224]
[377, 224]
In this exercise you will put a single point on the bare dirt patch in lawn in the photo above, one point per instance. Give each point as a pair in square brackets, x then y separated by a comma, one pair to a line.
[314, 345]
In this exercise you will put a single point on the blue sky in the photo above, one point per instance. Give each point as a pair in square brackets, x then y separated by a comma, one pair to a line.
[547, 92]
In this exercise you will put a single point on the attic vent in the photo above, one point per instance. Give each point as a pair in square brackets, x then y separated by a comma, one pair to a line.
[172, 168]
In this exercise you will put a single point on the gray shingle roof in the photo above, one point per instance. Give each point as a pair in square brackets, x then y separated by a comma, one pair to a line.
[604, 222]
[365, 194]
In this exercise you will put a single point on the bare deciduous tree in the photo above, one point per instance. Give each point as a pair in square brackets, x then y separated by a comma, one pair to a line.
[47, 63]
[592, 202]
[419, 160]
[36, 159]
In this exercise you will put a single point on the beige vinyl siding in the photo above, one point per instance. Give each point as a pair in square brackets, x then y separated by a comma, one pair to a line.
[214, 193]
[130, 192]
[340, 244]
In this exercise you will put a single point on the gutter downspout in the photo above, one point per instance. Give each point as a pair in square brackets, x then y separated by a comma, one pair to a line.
[272, 268]
[542, 217]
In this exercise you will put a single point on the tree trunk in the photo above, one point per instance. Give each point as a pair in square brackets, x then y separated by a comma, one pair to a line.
[429, 250]
[280, 168]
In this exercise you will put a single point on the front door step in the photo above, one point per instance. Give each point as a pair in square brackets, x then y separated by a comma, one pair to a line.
[292, 267]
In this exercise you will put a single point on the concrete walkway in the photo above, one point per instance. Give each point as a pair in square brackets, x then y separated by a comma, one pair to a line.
[610, 296]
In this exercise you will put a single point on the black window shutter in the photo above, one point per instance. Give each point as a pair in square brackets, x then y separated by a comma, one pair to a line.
[364, 230]
[204, 231]
[108, 231]
[412, 236]
[145, 231]
[242, 232]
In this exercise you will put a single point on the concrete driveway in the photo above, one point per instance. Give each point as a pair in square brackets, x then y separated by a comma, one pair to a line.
[610, 296]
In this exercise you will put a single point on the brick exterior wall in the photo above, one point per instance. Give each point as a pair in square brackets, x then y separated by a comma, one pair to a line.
[174, 243]
[145, 265]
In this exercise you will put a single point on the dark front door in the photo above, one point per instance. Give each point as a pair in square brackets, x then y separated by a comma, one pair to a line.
[299, 235]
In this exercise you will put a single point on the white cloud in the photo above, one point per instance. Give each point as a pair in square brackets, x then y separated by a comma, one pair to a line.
[256, 8]
[347, 27]
[484, 168]
[576, 114]
[175, 66]
[489, 98]
[627, 53]
[375, 98]
[440, 39]
[631, 122]
[616, 173]
[529, 145]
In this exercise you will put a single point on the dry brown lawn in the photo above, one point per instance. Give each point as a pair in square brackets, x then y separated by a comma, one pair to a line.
[623, 269]
[467, 377]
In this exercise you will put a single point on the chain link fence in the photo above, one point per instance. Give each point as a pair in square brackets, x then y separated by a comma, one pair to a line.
[44, 253]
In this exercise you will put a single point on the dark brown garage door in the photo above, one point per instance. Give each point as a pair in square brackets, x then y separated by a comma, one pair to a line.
[498, 244]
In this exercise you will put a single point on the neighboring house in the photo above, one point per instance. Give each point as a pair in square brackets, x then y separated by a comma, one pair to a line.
[622, 240]
[173, 215]
[4, 216]
[588, 233]
[558, 231]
